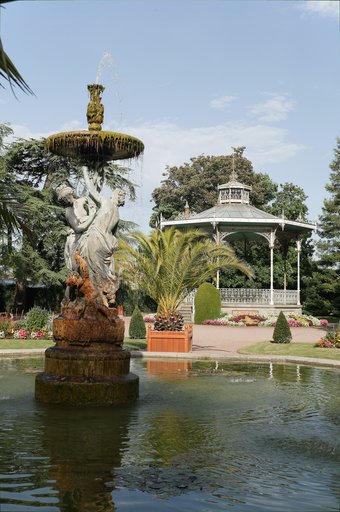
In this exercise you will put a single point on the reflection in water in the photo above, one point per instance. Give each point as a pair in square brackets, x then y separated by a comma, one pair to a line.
[169, 369]
[203, 436]
[84, 447]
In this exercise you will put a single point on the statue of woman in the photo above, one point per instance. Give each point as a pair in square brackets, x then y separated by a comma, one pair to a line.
[79, 214]
[99, 243]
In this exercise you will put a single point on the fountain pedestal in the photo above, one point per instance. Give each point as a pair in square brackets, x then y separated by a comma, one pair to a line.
[87, 366]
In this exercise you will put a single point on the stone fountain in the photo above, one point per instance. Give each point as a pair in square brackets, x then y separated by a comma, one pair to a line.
[88, 364]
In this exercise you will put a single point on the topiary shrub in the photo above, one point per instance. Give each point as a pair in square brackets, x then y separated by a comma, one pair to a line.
[137, 326]
[207, 303]
[282, 332]
[37, 318]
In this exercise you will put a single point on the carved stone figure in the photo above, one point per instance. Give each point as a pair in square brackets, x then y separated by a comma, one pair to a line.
[93, 220]
[98, 246]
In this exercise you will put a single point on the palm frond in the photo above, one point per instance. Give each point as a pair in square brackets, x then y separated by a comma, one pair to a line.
[9, 72]
[167, 265]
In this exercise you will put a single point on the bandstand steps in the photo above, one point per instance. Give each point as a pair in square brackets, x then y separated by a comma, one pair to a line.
[186, 310]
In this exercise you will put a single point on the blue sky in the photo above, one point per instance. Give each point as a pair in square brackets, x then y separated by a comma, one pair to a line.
[188, 77]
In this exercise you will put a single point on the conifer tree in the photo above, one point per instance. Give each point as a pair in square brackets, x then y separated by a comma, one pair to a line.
[329, 227]
[282, 333]
[137, 328]
[323, 287]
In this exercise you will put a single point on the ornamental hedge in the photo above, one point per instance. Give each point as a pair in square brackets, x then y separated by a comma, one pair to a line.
[137, 328]
[207, 303]
[282, 332]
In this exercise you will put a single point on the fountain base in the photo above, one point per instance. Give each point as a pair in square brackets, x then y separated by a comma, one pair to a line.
[87, 366]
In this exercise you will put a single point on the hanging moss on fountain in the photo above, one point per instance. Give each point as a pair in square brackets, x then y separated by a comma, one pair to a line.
[94, 144]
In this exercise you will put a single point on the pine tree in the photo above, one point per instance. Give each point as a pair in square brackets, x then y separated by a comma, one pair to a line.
[323, 287]
[329, 227]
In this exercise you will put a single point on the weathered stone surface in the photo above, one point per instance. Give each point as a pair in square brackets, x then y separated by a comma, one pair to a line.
[86, 363]
[87, 366]
[66, 390]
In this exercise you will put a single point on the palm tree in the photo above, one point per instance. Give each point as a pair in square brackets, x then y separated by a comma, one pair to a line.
[10, 209]
[8, 204]
[7, 69]
[168, 265]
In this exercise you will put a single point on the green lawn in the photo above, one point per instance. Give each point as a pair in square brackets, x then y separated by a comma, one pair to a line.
[16, 344]
[134, 344]
[291, 349]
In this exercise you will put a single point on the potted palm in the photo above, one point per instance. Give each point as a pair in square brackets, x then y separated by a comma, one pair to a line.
[167, 266]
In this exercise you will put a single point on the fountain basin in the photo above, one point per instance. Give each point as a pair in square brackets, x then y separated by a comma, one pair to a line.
[87, 366]
[94, 146]
[98, 391]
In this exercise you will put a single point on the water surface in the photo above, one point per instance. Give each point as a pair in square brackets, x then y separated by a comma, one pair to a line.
[203, 437]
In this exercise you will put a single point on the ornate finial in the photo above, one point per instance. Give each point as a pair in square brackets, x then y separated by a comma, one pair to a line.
[233, 175]
[95, 109]
[186, 209]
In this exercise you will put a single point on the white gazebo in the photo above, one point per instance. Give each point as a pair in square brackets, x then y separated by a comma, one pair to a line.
[234, 218]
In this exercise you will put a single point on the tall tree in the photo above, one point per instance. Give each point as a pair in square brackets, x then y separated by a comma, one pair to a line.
[329, 222]
[290, 201]
[323, 286]
[197, 182]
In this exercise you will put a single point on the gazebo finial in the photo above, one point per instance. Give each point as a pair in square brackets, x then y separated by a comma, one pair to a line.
[186, 211]
[233, 176]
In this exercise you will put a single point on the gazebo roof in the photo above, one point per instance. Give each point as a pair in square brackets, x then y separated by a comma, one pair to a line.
[233, 210]
[240, 217]
[234, 215]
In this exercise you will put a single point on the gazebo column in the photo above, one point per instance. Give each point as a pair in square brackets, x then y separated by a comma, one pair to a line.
[271, 247]
[218, 241]
[298, 250]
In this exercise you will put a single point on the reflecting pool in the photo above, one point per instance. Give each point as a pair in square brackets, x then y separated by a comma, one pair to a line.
[204, 436]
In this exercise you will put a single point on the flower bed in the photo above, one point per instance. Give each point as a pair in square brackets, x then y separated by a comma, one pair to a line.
[149, 319]
[23, 334]
[331, 340]
[36, 325]
[249, 320]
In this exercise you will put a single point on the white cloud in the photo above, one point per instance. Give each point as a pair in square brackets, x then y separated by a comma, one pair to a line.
[276, 108]
[23, 132]
[221, 102]
[324, 8]
[170, 144]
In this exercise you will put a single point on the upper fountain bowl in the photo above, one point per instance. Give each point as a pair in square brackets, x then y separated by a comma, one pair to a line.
[94, 144]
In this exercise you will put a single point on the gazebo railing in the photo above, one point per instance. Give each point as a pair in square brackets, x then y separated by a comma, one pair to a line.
[258, 296]
[253, 296]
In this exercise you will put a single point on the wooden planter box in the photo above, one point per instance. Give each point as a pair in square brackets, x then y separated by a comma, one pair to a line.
[170, 341]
